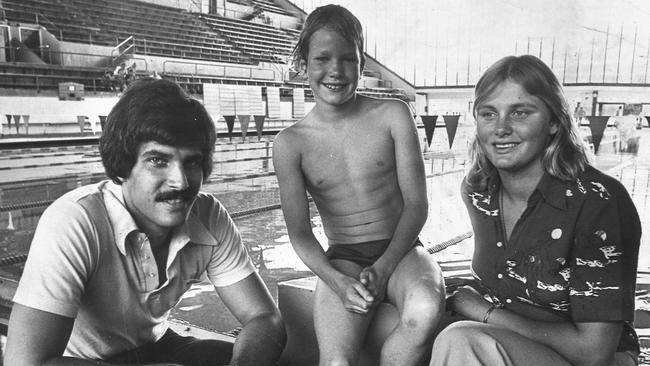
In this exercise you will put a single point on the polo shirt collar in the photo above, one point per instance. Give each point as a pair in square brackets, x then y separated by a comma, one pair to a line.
[192, 230]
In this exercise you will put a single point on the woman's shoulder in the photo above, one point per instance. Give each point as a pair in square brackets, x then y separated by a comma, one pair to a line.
[601, 184]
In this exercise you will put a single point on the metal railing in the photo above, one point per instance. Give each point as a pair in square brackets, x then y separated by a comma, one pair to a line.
[127, 45]
[37, 15]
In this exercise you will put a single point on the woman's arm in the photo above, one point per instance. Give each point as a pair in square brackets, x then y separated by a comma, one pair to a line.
[592, 343]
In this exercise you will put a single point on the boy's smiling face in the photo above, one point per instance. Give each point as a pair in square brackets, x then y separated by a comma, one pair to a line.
[332, 66]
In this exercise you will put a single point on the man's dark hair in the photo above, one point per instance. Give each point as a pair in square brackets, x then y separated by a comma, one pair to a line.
[154, 110]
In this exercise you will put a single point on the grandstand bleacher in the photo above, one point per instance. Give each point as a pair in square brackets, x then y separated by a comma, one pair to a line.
[262, 42]
[48, 44]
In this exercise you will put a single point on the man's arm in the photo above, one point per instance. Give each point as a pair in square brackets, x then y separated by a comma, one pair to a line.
[412, 183]
[295, 207]
[38, 338]
[263, 336]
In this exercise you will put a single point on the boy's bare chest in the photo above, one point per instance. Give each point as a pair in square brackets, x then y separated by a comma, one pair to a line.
[347, 158]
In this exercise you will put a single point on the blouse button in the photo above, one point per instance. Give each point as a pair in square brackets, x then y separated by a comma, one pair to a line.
[499, 244]
[500, 275]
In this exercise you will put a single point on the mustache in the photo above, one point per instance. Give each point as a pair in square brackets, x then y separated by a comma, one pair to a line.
[185, 194]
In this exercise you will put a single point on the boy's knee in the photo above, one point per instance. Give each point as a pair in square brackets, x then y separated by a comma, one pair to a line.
[423, 310]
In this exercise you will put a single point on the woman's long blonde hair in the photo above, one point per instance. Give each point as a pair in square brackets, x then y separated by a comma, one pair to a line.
[565, 156]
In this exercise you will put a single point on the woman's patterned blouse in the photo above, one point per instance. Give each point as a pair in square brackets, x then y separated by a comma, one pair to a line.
[572, 255]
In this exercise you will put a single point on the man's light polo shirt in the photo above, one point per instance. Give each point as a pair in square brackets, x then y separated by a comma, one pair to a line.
[89, 261]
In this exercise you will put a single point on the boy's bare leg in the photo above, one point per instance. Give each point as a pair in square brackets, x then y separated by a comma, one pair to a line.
[340, 333]
[417, 289]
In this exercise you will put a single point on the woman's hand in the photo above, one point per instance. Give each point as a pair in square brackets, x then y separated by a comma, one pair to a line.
[469, 303]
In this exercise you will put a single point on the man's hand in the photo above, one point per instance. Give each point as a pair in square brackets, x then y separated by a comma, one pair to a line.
[375, 279]
[354, 295]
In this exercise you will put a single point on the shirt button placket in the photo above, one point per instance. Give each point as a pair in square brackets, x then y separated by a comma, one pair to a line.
[148, 264]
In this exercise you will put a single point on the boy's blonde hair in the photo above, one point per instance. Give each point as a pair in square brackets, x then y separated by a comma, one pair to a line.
[336, 18]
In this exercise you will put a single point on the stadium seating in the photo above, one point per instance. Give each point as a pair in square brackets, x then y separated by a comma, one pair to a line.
[155, 30]
[261, 42]
[268, 5]
[59, 18]
[160, 30]
[47, 77]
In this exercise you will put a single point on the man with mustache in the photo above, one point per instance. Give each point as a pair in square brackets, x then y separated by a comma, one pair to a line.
[110, 260]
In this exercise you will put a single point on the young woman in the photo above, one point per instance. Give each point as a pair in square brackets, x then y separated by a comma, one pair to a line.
[557, 240]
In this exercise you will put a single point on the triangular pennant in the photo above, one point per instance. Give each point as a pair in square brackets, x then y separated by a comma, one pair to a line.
[17, 122]
[230, 122]
[244, 120]
[259, 125]
[429, 123]
[597, 126]
[451, 124]
[26, 123]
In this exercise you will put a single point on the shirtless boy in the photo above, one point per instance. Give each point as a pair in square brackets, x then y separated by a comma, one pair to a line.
[360, 160]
